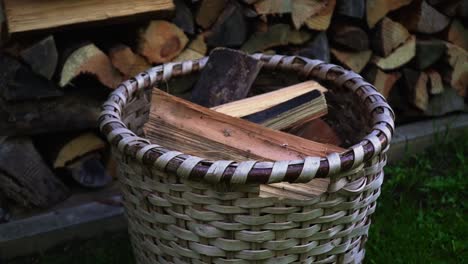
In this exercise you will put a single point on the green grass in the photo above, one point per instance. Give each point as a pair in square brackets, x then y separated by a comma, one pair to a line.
[420, 218]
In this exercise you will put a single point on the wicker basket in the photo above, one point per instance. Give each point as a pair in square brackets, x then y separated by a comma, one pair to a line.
[183, 209]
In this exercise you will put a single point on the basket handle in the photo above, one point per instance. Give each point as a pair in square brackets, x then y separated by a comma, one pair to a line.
[196, 168]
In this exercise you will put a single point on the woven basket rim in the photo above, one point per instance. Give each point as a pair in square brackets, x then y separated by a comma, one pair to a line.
[196, 168]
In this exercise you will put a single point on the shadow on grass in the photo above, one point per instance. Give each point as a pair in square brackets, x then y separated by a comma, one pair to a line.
[420, 218]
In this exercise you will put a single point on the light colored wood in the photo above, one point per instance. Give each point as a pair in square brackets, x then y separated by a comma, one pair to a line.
[248, 139]
[421, 96]
[77, 147]
[196, 49]
[90, 59]
[458, 34]
[28, 15]
[322, 20]
[436, 85]
[127, 62]
[161, 41]
[264, 101]
[458, 60]
[384, 82]
[389, 36]
[355, 61]
[399, 57]
[378, 9]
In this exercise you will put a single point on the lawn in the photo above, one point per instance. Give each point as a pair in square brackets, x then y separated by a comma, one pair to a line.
[420, 218]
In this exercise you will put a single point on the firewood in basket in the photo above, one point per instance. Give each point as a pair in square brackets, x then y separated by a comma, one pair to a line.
[90, 59]
[420, 17]
[180, 125]
[317, 130]
[378, 9]
[19, 83]
[280, 109]
[184, 126]
[399, 56]
[349, 37]
[161, 41]
[126, 62]
[388, 36]
[227, 76]
[351, 8]
[42, 57]
[356, 61]
[25, 178]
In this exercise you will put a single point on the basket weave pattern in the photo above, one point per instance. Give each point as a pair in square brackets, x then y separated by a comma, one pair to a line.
[184, 209]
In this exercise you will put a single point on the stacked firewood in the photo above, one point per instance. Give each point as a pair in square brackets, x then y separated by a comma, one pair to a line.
[60, 59]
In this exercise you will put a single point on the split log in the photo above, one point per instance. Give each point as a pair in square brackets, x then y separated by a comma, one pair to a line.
[126, 62]
[230, 29]
[292, 113]
[349, 37]
[355, 61]
[265, 101]
[161, 41]
[317, 48]
[322, 20]
[420, 17]
[42, 57]
[77, 147]
[300, 10]
[90, 172]
[428, 52]
[19, 83]
[446, 102]
[399, 57]
[183, 17]
[24, 177]
[220, 82]
[77, 109]
[196, 49]
[317, 130]
[383, 81]
[89, 59]
[31, 15]
[181, 125]
[209, 11]
[416, 84]
[458, 34]
[351, 8]
[436, 85]
[389, 35]
[447, 7]
[457, 75]
[277, 35]
[378, 9]
[281, 109]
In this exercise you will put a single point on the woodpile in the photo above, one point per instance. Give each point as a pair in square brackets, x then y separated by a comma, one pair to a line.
[60, 59]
